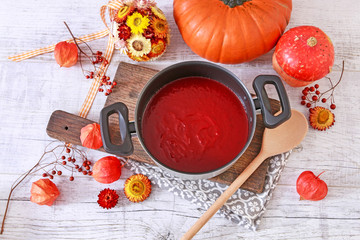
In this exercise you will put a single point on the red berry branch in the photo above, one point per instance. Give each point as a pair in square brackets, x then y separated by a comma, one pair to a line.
[55, 160]
[96, 59]
[321, 118]
[311, 95]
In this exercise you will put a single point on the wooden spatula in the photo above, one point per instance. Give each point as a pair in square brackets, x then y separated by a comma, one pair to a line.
[275, 141]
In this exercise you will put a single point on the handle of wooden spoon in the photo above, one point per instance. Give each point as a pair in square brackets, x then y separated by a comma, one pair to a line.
[225, 196]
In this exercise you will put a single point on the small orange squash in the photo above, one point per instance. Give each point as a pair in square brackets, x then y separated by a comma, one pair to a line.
[231, 31]
[304, 54]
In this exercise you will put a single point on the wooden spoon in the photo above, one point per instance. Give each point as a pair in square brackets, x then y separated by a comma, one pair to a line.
[275, 141]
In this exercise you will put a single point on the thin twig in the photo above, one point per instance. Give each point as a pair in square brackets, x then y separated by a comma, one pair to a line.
[86, 45]
[13, 188]
[74, 38]
[42, 166]
[333, 87]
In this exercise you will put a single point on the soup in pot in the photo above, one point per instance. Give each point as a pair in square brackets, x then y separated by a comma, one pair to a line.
[194, 125]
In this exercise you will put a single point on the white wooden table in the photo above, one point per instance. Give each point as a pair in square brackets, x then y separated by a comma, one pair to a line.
[31, 90]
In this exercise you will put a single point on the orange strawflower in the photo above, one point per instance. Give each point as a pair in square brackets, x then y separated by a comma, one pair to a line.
[157, 48]
[321, 118]
[123, 13]
[157, 12]
[160, 27]
[137, 188]
[143, 58]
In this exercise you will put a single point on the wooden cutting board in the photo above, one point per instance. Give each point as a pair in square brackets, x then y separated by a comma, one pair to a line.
[131, 78]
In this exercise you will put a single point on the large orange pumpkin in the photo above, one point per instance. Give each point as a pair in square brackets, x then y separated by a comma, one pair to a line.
[231, 31]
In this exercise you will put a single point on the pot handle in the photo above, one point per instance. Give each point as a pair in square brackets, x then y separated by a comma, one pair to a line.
[126, 148]
[271, 121]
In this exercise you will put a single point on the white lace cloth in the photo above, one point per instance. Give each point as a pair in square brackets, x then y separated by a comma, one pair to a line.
[244, 208]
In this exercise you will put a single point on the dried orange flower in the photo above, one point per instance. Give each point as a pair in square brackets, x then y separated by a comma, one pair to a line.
[143, 58]
[158, 13]
[137, 188]
[160, 27]
[123, 12]
[108, 198]
[321, 118]
[157, 48]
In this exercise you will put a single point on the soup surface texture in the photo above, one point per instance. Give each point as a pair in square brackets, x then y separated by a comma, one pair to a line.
[194, 125]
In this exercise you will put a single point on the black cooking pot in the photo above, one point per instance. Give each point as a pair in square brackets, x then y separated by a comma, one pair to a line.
[194, 69]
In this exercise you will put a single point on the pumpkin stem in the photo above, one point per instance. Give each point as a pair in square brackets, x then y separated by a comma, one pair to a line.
[234, 3]
[311, 41]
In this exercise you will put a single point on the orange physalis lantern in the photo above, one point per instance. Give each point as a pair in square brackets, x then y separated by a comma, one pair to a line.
[107, 169]
[91, 136]
[66, 54]
[44, 192]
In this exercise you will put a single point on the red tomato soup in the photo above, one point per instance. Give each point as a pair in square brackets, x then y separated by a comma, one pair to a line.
[194, 125]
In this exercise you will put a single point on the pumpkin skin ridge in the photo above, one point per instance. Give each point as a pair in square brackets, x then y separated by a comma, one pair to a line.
[243, 32]
[237, 28]
[279, 26]
[222, 53]
[210, 35]
[279, 13]
[206, 51]
[187, 8]
[195, 28]
[281, 4]
[259, 30]
[220, 44]
[263, 9]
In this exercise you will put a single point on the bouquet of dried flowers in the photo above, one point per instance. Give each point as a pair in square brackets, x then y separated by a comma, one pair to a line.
[141, 30]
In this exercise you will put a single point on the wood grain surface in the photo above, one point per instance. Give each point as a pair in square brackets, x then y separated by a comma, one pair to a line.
[30, 91]
[131, 79]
